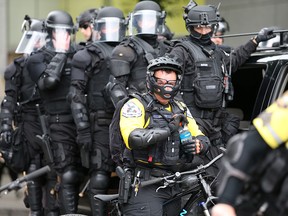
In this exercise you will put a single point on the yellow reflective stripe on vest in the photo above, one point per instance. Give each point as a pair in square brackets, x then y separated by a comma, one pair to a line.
[272, 124]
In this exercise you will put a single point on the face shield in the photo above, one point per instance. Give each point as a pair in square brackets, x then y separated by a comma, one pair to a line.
[146, 22]
[61, 38]
[109, 29]
[31, 41]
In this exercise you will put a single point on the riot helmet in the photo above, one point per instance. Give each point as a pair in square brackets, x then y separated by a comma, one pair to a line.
[146, 18]
[60, 28]
[166, 34]
[200, 16]
[166, 89]
[85, 23]
[222, 27]
[33, 37]
[87, 18]
[110, 25]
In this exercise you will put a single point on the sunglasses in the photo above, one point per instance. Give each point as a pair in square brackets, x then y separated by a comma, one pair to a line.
[85, 26]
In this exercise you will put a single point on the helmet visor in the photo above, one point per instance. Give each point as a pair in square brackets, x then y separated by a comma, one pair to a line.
[146, 22]
[30, 42]
[109, 29]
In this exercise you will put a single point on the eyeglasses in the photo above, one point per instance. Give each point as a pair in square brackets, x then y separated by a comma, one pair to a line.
[162, 82]
[85, 26]
[204, 26]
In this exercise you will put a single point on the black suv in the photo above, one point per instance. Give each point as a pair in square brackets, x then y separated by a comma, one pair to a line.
[261, 80]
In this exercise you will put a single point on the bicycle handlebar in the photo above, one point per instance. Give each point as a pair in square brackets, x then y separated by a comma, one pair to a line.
[179, 174]
[16, 184]
[109, 197]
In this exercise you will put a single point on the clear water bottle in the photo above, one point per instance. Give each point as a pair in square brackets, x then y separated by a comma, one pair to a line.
[185, 134]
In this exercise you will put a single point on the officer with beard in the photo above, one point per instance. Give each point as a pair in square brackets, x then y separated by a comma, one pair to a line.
[153, 139]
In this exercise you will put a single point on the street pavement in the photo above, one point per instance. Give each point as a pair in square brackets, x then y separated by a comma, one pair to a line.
[11, 204]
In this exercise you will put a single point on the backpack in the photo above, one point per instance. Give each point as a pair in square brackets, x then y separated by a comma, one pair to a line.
[116, 142]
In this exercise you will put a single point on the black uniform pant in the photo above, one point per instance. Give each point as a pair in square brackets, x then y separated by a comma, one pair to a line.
[148, 202]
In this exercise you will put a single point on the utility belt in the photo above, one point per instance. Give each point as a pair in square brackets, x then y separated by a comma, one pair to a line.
[145, 173]
[60, 118]
[101, 117]
[132, 179]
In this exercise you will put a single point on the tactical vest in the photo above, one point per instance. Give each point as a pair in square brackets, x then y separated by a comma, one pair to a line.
[202, 83]
[165, 153]
[145, 52]
[99, 75]
[55, 100]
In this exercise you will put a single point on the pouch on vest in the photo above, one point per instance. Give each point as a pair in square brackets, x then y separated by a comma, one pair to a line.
[208, 91]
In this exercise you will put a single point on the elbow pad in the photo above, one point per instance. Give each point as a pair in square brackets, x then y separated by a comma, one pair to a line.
[142, 138]
[53, 72]
[78, 109]
[116, 90]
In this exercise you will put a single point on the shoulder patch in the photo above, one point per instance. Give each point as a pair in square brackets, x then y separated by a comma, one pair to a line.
[131, 110]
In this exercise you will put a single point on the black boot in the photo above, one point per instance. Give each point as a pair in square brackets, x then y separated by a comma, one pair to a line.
[51, 204]
[35, 198]
[68, 198]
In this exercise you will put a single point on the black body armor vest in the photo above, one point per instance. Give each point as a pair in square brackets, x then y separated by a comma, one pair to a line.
[99, 76]
[202, 86]
[145, 52]
[167, 153]
[55, 100]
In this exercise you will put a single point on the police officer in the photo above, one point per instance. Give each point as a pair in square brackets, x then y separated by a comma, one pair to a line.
[50, 69]
[93, 114]
[19, 107]
[85, 23]
[155, 144]
[206, 68]
[248, 153]
[166, 34]
[130, 58]
[220, 29]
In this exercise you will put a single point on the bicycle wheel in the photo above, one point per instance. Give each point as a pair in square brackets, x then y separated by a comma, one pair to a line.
[194, 208]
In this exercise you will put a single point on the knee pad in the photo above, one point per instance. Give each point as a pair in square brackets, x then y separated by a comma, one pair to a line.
[99, 180]
[71, 176]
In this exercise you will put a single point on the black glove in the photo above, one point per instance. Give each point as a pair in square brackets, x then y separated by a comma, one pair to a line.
[189, 146]
[177, 121]
[264, 35]
[84, 140]
[204, 144]
[6, 138]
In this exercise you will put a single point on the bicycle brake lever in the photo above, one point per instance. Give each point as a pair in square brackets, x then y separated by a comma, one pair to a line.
[162, 187]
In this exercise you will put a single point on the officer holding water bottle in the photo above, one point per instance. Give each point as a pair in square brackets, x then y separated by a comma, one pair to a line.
[160, 136]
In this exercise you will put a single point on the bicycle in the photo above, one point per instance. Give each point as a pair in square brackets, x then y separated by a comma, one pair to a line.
[201, 197]
[22, 181]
